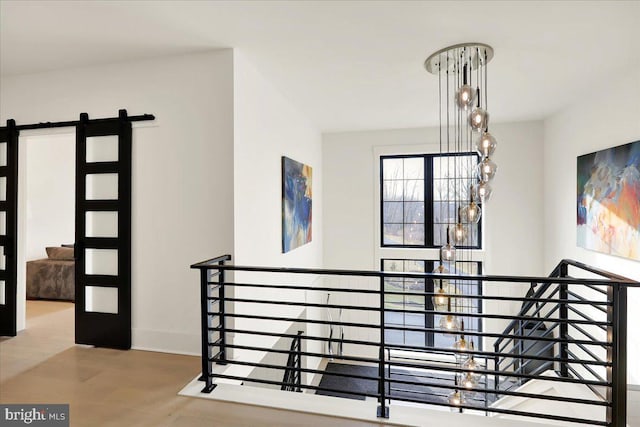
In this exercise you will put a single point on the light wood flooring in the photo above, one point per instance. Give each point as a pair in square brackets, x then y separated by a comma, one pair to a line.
[117, 388]
[129, 388]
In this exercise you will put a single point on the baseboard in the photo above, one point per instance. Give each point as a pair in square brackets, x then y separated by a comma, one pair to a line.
[166, 341]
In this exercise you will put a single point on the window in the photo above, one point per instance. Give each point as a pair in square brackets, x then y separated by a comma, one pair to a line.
[421, 195]
[406, 308]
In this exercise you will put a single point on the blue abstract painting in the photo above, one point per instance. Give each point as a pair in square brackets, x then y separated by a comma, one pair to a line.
[296, 204]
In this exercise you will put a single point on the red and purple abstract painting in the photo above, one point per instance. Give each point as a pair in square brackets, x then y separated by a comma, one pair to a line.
[608, 201]
[296, 204]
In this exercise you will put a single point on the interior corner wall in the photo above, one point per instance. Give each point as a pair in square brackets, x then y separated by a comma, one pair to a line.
[513, 216]
[266, 127]
[182, 172]
[608, 117]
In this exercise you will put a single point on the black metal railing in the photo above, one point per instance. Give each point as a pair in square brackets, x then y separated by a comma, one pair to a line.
[292, 374]
[567, 332]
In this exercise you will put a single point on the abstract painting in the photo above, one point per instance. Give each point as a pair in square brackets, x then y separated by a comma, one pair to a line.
[609, 201]
[296, 204]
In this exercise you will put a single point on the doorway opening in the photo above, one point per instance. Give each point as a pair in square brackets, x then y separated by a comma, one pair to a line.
[46, 224]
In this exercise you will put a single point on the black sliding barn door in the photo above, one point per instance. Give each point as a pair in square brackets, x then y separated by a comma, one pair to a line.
[8, 227]
[103, 232]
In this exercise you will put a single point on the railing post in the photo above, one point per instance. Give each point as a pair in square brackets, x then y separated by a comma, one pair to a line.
[383, 410]
[496, 367]
[299, 362]
[520, 349]
[207, 368]
[564, 326]
[617, 355]
[221, 312]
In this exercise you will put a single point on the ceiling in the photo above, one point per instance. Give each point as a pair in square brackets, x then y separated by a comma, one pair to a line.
[347, 65]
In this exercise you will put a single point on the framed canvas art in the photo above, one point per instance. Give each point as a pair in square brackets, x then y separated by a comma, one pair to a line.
[608, 202]
[296, 204]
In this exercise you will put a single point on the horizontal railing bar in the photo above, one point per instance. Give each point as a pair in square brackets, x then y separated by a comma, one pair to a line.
[408, 293]
[583, 332]
[527, 306]
[492, 335]
[303, 353]
[307, 370]
[299, 320]
[581, 298]
[502, 392]
[527, 318]
[522, 366]
[303, 304]
[589, 352]
[535, 338]
[597, 271]
[511, 412]
[272, 382]
[596, 289]
[382, 274]
[585, 366]
[591, 387]
[584, 316]
[517, 357]
[207, 263]
[301, 287]
[306, 337]
[469, 333]
[448, 386]
[536, 313]
[491, 372]
[439, 349]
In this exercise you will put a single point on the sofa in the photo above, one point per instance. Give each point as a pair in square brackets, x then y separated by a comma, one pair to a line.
[53, 277]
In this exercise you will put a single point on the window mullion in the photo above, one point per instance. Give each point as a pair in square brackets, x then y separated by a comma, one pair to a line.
[428, 201]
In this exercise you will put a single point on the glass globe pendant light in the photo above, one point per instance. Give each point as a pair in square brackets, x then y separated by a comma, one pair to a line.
[448, 251]
[456, 398]
[468, 381]
[449, 323]
[482, 191]
[486, 170]
[479, 119]
[486, 144]
[470, 214]
[471, 364]
[459, 232]
[440, 299]
[461, 344]
[465, 95]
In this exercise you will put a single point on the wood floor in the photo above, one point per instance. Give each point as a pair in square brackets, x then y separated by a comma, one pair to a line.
[129, 388]
[117, 388]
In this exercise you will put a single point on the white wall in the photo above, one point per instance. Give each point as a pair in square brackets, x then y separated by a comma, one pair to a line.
[513, 217]
[608, 117]
[50, 192]
[266, 127]
[182, 172]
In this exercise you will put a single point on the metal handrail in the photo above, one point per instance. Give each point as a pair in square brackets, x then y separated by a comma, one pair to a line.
[537, 308]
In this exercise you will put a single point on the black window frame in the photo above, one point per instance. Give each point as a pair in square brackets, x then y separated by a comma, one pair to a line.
[429, 225]
[429, 320]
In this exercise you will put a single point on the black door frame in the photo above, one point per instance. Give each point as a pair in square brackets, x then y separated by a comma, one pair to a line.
[9, 242]
[90, 326]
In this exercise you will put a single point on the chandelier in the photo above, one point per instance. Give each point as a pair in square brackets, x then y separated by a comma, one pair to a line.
[463, 184]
